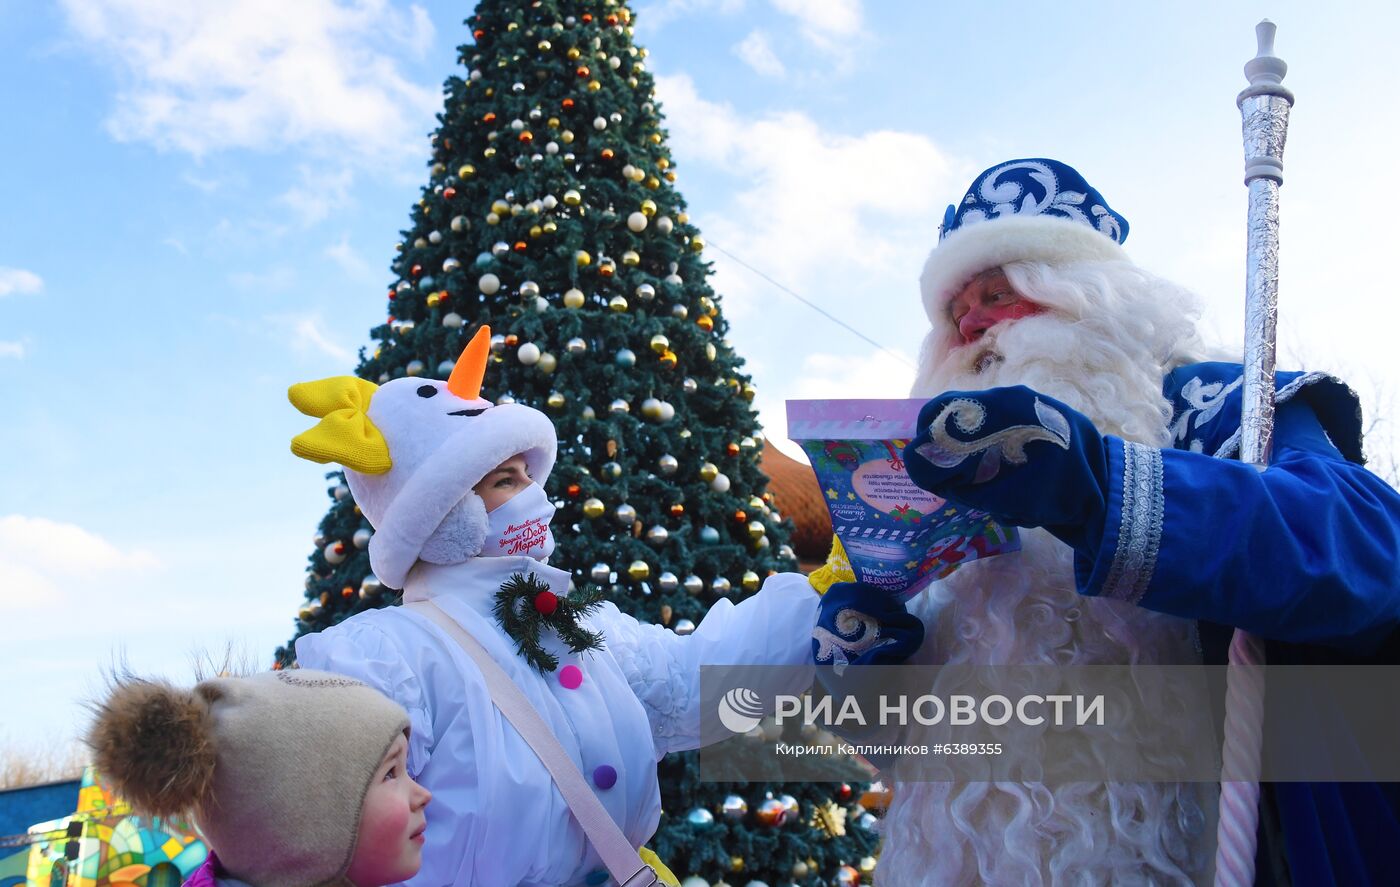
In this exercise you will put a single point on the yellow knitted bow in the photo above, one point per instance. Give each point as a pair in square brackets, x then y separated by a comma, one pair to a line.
[345, 434]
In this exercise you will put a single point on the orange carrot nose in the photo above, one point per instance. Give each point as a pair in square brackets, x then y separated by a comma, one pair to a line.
[465, 381]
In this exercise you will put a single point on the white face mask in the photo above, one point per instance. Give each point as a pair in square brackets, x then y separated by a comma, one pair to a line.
[521, 526]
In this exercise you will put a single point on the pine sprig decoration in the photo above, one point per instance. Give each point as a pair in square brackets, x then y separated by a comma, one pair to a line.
[525, 607]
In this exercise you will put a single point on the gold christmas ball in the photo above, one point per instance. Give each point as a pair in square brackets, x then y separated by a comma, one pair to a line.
[708, 471]
[593, 508]
[489, 152]
[668, 359]
[736, 863]
[433, 300]
[556, 400]
[800, 869]
[618, 303]
[653, 182]
[536, 231]
[648, 208]
[552, 123]
[749, 392]
[594, 86]
[544, 46]
[638, 570]
[500, 208]
[710, 351]
[548, 363]
[631, 258]
[573, 298]
[705, 322]
[751, 582]
[660, 343]
[670, 175]
[466, 171]
[654, 138]
[682, 217]
[550, 227]
[707, 305]
[756, 529]
[867, 864]
[582, 258]
[696, 244]
[662, 163]
[567, 136]
[572, 54]
[572, 197]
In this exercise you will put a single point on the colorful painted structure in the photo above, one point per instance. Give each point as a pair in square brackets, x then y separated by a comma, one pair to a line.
[103, 843]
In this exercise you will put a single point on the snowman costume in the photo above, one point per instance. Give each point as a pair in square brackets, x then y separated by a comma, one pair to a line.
[413, 450]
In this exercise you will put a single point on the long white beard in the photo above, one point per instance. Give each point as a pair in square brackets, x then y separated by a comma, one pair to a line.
[1023, 608]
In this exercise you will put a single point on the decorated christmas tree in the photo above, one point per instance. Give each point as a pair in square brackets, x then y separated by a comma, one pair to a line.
[551, 215]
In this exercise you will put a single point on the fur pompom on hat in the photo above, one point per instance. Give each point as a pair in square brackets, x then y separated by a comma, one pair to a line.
[273, 767]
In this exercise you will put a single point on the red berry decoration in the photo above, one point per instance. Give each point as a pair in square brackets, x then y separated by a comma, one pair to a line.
[546, 602]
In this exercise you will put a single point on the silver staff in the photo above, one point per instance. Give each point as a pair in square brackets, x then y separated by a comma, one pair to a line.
[1264, 106]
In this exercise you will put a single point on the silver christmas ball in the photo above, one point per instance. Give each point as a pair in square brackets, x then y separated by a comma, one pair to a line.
[721, 483]
[619, 406]
[452, 320]
[734, 808]
[588, 414]
[450, 263]
[868, 821]
[435, 237]
[626, 357]
[720, 586]
[529, 289]
[489, 284]
[500, 248]
[668, 412]
[658, 535]
[700, 816]
[610, 471]
[576, 346]
[319, 540]
[445, 368]
[340, 491]
[668, 464]
[362, 537]
[414, 368]
[651, 409]
[684, 626]
[668, 581]
[664, 224]
[680, 312]
[460, 224]
[625, 514]
[790, 804]
[646, 292]
[694, 584]
[498, 343]
[600, 573]
[690, 386]
[370, 586]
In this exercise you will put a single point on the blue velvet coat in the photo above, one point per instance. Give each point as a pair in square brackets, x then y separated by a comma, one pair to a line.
[1303, 555]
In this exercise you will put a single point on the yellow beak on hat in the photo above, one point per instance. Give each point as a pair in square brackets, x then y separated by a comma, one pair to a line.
[345, 434]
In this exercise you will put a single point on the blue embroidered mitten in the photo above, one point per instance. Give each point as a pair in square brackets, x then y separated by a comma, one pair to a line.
[1026, 459]
[861, 625]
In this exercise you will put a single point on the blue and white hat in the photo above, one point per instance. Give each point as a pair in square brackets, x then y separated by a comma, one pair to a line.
[1034, 210]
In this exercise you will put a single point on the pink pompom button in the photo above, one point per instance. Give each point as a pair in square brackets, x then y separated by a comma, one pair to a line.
[570, 677]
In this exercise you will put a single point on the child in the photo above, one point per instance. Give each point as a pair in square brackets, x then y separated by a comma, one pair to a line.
[295, 778]
[453, 486]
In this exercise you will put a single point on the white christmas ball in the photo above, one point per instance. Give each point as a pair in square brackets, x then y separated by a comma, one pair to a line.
[664, 224]
[528, 354]
[334, 553]
[667, 413]
[362, 537]
[452, 320]
[694, 881]
[489, 284]
[721, 483]
[600, 123]
[637, 222]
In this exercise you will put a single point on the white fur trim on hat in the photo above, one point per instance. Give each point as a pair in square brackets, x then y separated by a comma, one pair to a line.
[975, 248]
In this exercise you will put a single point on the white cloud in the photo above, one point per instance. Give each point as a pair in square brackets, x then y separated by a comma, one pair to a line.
[12, 349]
[344, 255]
[832, 26]
[870, 374]
[757, 53]
[19, 281]
[278, 279]
[318, 193]
[262, 74]
[659, 14]
[808, 198]
[309, 334]
[40, 558]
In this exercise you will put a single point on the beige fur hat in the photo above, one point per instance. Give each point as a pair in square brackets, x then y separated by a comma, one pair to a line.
[274, 767]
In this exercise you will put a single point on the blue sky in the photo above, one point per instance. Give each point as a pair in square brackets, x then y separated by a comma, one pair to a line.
[200, 202]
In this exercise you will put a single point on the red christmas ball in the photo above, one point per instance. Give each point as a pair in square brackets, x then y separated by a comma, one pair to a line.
[392, 295]
[512, 340]
[527, 136]
[574, 490]
[612, 20]
[732, 449]
[347, 591]
[416, 270]
[583, 71]
[546, 602]
[608, 154]
[478, 33]
[844, 793]
[449, 192]
[521, 246]
[568, 104]
[740, 516]
[587, 17]
[488, 117]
